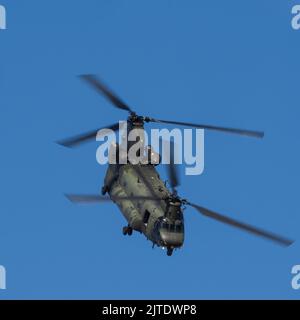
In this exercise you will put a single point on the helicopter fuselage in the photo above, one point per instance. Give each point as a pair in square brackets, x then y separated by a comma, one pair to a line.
[161, 220]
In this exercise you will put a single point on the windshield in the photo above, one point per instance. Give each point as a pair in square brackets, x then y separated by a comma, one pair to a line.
[172, 227]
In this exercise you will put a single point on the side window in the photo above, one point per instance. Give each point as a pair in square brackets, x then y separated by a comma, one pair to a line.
[146, 216]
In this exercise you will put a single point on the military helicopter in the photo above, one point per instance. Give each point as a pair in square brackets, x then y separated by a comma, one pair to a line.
[143, 198]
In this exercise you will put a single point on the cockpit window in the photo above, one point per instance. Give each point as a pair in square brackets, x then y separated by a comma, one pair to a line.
[171, 227]
[179, 227]
[165, 225]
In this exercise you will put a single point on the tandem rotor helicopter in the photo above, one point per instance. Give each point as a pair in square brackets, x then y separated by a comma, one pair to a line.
[143, 198]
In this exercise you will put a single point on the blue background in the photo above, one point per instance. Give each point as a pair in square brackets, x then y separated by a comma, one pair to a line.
[232, 63]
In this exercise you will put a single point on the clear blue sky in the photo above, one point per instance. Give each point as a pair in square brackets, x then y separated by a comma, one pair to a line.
[232, 63]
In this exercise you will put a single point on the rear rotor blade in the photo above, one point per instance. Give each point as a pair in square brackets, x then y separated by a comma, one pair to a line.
[250, 133]
[103, 89]
[91, 198]
[256, 231]
[85, 137]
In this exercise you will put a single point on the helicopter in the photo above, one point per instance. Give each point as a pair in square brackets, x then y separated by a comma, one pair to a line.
[148, 205]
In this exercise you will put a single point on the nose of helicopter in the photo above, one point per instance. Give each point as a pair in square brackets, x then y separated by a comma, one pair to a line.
[172, 239]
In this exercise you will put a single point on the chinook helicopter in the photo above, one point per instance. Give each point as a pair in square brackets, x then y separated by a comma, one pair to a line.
[143, 198]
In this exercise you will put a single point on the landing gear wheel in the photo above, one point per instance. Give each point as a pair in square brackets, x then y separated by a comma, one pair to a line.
[104, 189]
[169, 251]
[127, 231]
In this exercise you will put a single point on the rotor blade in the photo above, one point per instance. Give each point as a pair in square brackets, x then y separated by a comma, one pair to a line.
[173, 176]
[85, 137]
[103, 89]
[259, 232]
[91, 198]
[172, 169]
[250, 133]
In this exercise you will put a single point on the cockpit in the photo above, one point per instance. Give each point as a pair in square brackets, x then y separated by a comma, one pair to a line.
[171, 233]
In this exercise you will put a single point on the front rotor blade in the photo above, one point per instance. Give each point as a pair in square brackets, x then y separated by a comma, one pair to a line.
[91, 198]
[173, 176]
[85, 137]
[250, 133]
[246, 227]
[172, 169]
[103, 89]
